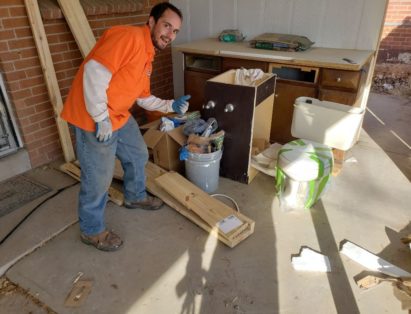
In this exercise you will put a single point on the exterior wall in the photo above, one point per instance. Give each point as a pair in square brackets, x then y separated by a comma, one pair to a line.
[21, 69]
[396, 37]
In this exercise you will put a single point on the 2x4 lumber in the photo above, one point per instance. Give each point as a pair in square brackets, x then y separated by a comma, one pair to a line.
[153, 171]
[79, 26]
[50, 77]
[211, 210]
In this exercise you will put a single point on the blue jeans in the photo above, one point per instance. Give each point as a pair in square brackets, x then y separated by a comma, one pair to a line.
[97, 167]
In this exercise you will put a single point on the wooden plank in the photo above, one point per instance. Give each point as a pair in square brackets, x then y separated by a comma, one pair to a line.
[50, 77]
[74, 171]
[211, 210]
[78, 23]
[153, 171]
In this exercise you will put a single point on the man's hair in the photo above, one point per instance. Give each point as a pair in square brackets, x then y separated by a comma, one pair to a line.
[158, 10]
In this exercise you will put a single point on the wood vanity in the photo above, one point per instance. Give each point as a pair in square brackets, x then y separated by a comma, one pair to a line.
[338, 75]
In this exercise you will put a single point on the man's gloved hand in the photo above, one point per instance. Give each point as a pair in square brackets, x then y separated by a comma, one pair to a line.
[104, 130]
[180, 105]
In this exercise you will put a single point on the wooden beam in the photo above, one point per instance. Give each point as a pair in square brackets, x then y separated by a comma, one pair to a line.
[78, 23]
[153, 171]
[50, 77]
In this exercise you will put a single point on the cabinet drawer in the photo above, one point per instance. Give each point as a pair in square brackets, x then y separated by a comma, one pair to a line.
[232, 63]
[340, 78]
[341, 97]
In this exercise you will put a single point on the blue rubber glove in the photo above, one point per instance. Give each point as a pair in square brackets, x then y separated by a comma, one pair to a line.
[180, 105]
[104, 130]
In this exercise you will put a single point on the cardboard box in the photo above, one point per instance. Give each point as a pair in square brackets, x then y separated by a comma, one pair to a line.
[164, 146]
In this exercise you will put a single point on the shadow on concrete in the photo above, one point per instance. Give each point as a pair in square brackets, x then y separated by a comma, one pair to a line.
[342, 293]
[387, 121]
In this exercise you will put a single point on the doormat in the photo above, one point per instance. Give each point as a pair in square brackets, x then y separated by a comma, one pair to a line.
[18, 191]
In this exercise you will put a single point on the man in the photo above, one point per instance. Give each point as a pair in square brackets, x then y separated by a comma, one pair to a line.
[113, 76]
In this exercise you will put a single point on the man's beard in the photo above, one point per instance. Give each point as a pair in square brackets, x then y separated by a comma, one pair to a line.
[156, 43]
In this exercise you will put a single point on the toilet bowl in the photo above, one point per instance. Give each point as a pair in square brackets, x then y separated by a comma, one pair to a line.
[304, 165]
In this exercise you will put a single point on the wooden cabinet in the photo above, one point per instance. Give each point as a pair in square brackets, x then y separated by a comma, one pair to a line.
[244, 113]
[293, 81]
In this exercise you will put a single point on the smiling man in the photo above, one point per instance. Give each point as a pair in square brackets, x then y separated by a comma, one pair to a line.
[115, 75]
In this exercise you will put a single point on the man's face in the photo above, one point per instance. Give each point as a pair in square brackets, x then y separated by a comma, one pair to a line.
[165, 30]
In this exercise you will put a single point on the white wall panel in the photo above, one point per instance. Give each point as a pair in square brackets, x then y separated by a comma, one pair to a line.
[200, 19]
[341, 23]
[370, 24]
[307, 18]
[250, 17]
[223, 16]
[277, 16]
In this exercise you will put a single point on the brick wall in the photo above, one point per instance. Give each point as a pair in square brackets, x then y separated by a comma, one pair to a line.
[396, 36]
[20, 65]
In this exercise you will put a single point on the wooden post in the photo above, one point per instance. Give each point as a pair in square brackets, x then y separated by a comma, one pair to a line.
[78, 23]
[39, 34]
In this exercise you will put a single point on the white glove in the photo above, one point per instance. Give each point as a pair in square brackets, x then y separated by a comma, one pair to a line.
[104, 130]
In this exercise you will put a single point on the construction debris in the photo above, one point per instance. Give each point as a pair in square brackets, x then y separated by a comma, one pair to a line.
[80, 290]
[371, 261]
[309, 260]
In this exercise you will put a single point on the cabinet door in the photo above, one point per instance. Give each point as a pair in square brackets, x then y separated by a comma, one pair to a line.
[237, 125]
[194, 84]
[285, 95]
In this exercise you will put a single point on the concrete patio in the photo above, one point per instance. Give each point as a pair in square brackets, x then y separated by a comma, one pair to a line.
[169, 265]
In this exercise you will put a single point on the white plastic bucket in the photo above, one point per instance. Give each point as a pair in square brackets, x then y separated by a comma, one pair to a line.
[204, 170]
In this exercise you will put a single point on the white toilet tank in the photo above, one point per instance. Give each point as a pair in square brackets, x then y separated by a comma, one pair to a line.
[326, 122]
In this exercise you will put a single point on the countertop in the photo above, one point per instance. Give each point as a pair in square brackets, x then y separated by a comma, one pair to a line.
[315, 56]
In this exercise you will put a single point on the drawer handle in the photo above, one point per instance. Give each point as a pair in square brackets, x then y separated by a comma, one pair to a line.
[209, 105]
[338, 79]
[229, 108]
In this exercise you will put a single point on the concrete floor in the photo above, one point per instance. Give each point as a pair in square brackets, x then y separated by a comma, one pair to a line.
[169, 265]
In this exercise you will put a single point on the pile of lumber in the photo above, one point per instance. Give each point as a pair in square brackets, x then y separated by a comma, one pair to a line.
[228, 225]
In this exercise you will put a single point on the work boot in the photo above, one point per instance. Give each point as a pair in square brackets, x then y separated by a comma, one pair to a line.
[148, 203]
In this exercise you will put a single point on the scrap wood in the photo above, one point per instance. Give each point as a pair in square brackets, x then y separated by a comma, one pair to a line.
[80, 290]
[211, 210]
[153, 171]
[370, 281]
[79, 26]
[73, 170]
[40, 39]
[371, 261]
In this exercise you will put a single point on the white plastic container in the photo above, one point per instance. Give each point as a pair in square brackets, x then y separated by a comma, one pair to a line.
[333, 124]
